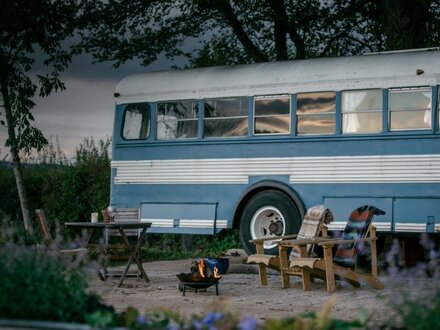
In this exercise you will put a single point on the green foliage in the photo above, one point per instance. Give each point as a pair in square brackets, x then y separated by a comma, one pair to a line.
[171, 246]
[65, 192]
[207, 33]
[420, 314]
[34, 287]
[25, 28]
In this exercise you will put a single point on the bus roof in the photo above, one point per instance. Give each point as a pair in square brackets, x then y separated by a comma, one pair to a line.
[383, 70]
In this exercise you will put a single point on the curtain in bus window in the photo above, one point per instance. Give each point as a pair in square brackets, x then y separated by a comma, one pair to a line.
[136, 122]
[350, 102]
[362, 111]
[427, 117]
[226, 117]
[410, 109]
[177, 120]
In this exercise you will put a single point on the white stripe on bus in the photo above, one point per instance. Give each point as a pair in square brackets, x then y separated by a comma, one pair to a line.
[340, 169]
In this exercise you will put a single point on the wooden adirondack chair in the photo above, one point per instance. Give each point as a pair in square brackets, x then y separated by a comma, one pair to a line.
[357, 231]
[77, 255]
[313, 225]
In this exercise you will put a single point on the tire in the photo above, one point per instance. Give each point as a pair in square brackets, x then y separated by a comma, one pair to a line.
[268, 213]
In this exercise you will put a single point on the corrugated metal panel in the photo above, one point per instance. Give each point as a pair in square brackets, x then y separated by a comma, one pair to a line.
[340, 225]
[342, 73]
[344, 169]
[410, 227]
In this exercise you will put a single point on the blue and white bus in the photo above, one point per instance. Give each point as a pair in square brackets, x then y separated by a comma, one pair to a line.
[253, 146]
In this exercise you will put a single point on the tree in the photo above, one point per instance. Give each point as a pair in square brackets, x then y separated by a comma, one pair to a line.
[218, 32]
[27, 27]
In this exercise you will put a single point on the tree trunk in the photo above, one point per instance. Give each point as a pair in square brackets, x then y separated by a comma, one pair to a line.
[16, 164]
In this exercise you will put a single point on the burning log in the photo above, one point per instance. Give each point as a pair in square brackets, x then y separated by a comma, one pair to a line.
[201, 276]
[200, 272]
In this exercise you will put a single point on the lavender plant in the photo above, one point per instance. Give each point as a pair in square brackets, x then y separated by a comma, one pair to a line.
[415, 291]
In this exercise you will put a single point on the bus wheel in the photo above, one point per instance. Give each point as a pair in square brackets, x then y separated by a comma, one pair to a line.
[269, 213]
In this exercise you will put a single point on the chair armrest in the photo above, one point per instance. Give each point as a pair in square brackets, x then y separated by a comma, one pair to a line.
[302, 241]
[332, 242]
[263, 239]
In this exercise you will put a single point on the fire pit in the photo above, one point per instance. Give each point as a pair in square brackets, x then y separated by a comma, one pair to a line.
[200, 277]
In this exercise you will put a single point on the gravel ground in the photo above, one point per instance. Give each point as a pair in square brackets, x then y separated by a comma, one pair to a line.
[241, 293]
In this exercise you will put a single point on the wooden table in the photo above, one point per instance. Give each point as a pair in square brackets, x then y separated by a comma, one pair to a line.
[103, 245]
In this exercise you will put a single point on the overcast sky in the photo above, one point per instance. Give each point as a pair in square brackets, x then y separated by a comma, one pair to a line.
[86, 107]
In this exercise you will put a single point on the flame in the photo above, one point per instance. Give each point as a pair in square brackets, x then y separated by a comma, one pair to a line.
[216, 273]
[201, 266]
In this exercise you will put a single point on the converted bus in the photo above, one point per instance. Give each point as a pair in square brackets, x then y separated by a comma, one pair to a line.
[253, 146]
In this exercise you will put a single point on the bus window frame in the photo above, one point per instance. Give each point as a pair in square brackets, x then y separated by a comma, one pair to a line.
[149, 116]
[195, 119]
[380, 111]
[254, 116]
[212, 119]
[389, 111]
[337, 115]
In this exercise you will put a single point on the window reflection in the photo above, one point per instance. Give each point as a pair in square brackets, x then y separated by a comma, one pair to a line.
[177, 120]
[226, 117]
[316, 113]
[272, 115]
[410, 108]
[136, 122]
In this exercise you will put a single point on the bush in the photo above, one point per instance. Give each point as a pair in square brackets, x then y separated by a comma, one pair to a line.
[34, 287]
[66, 192]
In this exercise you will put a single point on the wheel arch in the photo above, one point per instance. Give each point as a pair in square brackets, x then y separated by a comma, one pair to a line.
[262, 186]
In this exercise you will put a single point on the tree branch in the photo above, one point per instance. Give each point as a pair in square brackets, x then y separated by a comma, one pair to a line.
[224, 7]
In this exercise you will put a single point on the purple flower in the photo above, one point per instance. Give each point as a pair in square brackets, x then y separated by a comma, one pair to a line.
[197, 325]
[141, 319]
[212, 317]
[248, 323]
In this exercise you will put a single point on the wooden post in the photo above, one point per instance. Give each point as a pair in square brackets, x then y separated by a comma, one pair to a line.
[285, 282]
[329, 271]
[373, 251]
[261, 267]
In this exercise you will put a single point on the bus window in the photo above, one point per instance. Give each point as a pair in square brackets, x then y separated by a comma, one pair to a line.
[272, 115]
[177, 120]
[136, 122]
[316, 113]
[362, 111]
[226, 117]
[410, 108]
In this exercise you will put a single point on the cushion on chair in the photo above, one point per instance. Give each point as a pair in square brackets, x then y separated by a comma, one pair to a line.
[315, 217]
[356, 228]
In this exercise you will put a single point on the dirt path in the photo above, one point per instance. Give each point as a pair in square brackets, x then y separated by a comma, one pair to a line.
[240, 292]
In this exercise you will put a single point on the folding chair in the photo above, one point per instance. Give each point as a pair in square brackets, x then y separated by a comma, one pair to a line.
[313, 225]
[77, 254]
[120, 214]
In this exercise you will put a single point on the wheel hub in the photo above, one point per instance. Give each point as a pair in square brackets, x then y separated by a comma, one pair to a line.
[267, 222]
[276, 228]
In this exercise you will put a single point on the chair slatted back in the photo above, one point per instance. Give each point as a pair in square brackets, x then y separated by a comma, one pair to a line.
[44, 227]
[311, 226]
[357, 227]
[121, 214]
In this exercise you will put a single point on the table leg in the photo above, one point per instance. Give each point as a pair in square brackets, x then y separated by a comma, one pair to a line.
[101, 276]
[134, 251]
